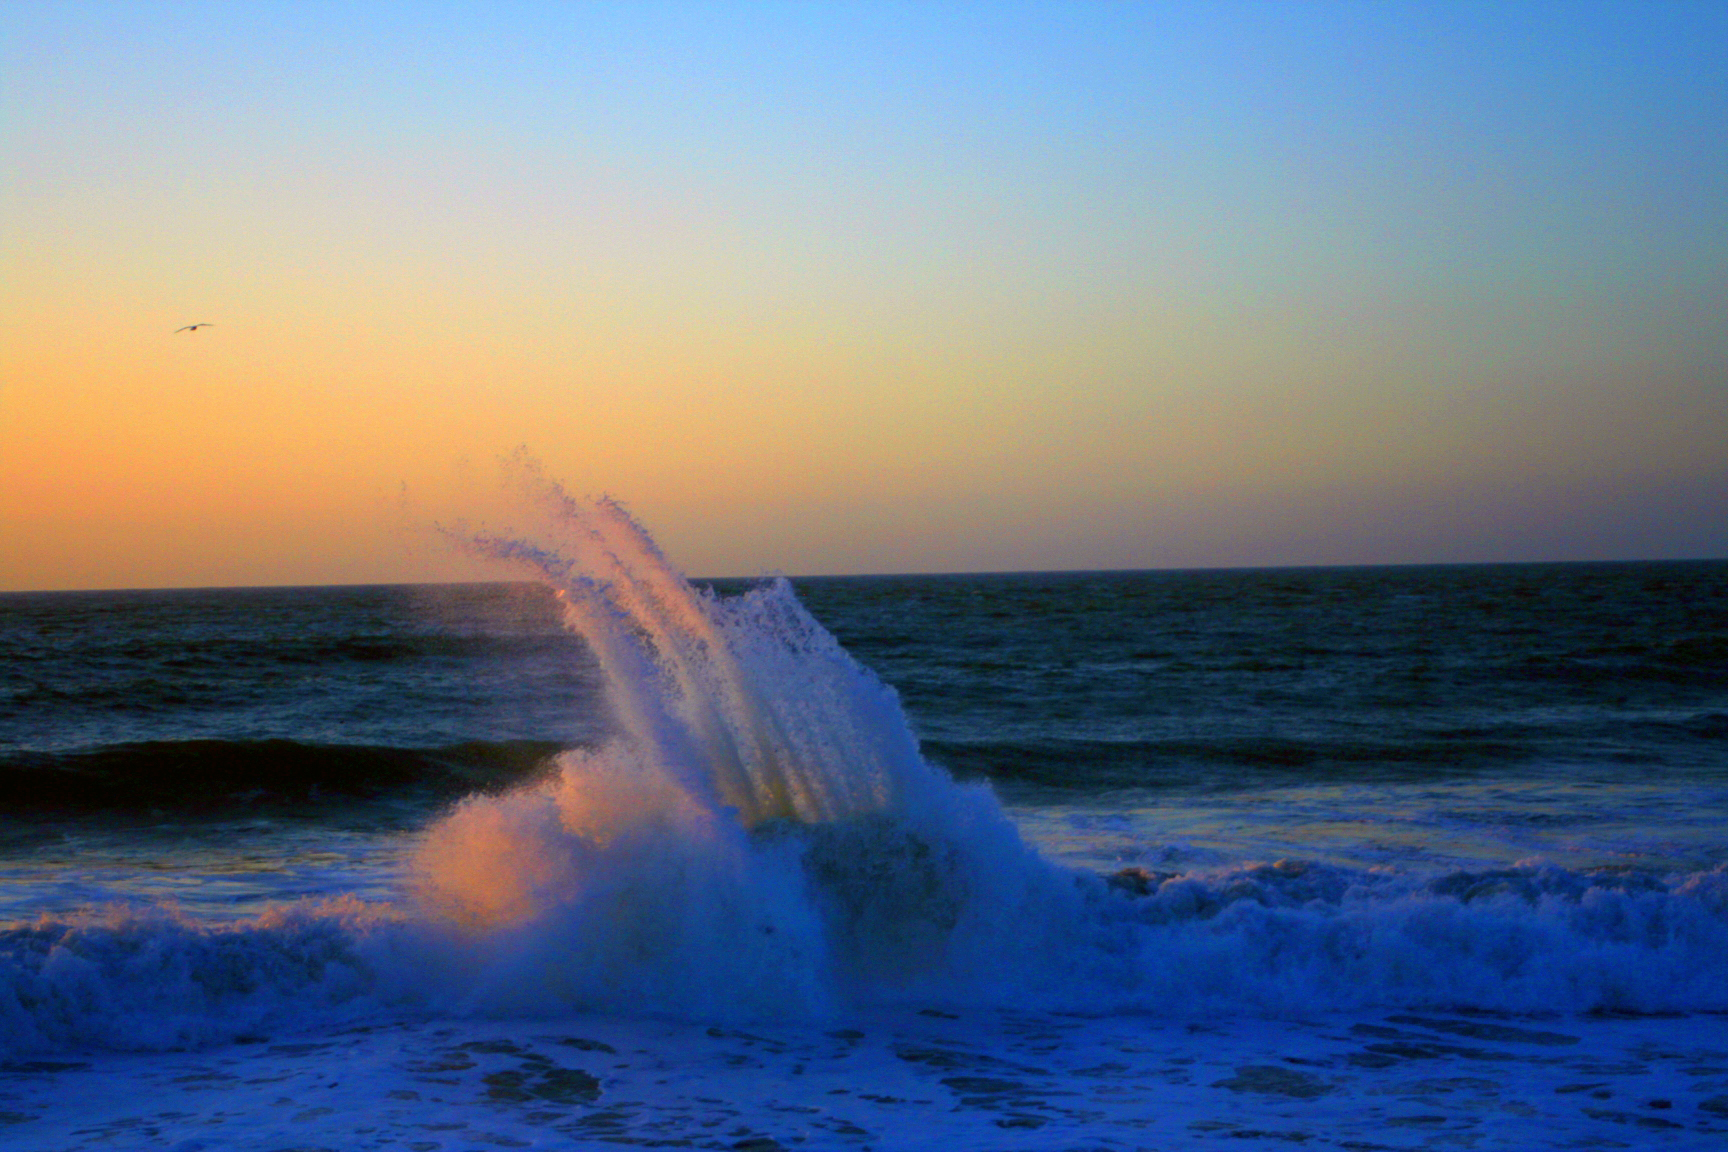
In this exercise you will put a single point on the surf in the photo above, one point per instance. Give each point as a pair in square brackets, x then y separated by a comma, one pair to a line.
[756, 833]
[760, 836]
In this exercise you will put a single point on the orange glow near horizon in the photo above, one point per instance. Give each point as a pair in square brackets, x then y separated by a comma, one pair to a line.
[870, 290]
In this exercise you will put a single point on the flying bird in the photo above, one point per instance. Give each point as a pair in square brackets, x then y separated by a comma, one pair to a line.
[192, 327]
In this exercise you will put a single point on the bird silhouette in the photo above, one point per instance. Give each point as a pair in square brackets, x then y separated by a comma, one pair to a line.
[192, 327]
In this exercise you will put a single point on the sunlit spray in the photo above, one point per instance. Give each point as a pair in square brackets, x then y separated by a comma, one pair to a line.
[760, 834]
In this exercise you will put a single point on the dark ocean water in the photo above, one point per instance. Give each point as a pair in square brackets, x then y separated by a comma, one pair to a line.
[1239, 679]
[1495, 787]
[1071, 685]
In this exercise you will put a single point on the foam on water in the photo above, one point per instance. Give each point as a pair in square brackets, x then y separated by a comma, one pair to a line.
[761, 838]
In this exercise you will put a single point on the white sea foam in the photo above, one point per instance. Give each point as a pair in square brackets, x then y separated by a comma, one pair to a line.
[129, 979]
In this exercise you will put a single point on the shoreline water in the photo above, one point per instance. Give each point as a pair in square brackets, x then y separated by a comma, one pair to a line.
[927, 1079]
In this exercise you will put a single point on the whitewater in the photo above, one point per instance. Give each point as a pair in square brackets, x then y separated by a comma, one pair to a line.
[755, 913]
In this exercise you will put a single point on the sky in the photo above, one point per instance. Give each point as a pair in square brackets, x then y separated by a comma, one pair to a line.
[871, 287]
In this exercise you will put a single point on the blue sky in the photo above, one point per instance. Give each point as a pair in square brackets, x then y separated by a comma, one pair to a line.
[865, 287]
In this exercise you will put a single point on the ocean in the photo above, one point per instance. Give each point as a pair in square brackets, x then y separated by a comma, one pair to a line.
[1396, 857]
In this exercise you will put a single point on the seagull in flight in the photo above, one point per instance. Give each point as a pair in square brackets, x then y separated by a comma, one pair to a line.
[192, 327]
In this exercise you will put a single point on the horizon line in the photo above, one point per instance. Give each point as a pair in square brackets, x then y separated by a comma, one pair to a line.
[907, 575]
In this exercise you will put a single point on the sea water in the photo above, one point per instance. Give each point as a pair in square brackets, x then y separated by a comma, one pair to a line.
[1353, 857]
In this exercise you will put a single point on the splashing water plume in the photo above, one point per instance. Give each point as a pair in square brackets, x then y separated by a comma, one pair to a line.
[760, 832]
[703, 685]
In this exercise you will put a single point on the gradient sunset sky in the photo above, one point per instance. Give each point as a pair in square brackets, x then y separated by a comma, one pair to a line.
[861, 287]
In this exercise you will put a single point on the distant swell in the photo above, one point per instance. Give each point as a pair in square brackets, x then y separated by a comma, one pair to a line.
[1093, 765]
[220, 775]
[1239, 761]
